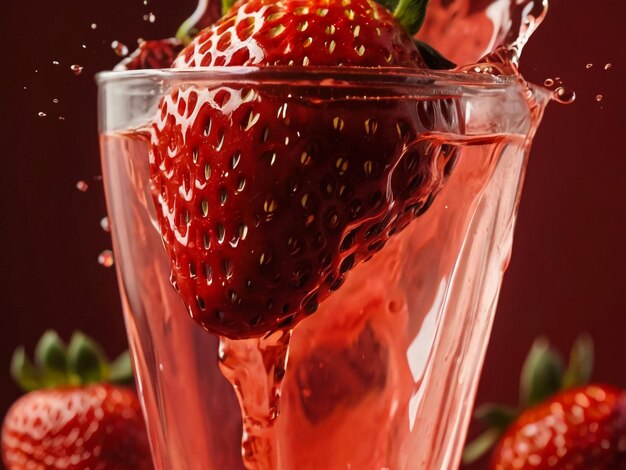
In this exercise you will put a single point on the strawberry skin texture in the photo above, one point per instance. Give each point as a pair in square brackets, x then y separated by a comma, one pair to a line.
[579, 429]
[303, 32]
[265, 201]
[95, 427]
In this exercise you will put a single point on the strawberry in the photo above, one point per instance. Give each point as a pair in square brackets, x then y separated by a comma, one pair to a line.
[69, 419]
[265, 200]
[158, 54]
[582, 428]
[566, 425]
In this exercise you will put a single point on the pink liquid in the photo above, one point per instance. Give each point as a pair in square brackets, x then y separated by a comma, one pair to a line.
[382, 376]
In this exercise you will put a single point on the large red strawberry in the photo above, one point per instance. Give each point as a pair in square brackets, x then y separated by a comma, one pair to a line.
[267, 198]
[70, 419]
[581, 427]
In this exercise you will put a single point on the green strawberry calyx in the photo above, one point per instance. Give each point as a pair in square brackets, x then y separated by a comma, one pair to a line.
[81, 362]
[543, 375]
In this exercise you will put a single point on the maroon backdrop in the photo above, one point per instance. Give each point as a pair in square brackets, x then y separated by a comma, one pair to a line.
[569, 260]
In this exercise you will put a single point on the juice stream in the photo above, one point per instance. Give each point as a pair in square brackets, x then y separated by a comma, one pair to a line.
[488, 37]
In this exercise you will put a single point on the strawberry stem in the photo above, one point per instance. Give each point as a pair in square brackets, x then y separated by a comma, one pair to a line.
[411, 14]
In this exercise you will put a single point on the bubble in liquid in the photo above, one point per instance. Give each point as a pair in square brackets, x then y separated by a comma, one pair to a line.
[104, 224]
[41, 114]
[564, 95]
[106, 258]
[548, 82]
[119, 48]
[608, 66]
[76, 69]
[82, 186]
[589, 66]
[599, 98]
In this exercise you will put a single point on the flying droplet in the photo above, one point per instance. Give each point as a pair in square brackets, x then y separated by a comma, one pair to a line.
[589, 66]
[77, 69]
[548, 82]
[104, 224]
[150, 17]
[82, 186]
[564, 95]
[94, 25]
[119, 48]
[599, 98]
[55, 62]
[55, 101]
[106, 258]
[41, 114]
[608, 66]
[61, 118]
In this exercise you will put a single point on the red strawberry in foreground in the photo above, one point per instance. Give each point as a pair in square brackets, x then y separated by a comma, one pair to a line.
[73, 421]
[579, 428]
[266, 200]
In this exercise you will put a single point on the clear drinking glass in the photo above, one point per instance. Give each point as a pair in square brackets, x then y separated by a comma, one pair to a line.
[384, 374]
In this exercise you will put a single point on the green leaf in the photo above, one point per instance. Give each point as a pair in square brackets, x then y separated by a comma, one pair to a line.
[480, 446]
[121, 371]
[541, 374]
[86, 361]
[411, 14]
[580, 366]
[24, 372]
[495, 416]
[50, 358]
[433, 58]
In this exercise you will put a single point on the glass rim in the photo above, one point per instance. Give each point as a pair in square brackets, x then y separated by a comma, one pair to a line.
[324, 76]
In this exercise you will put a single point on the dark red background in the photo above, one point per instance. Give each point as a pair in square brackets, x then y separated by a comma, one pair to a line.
[569, 262]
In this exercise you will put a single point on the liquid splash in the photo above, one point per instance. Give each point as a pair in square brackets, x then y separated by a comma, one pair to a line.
[105, 258]
[256, 368]
[104, 224]
[119, 48]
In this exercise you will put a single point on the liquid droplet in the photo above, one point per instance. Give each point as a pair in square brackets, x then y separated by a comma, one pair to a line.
[564, 95]
[77, 69]
[119, 48]
[82, 186]
[150, 17]
[104, 224]
[608, 66]
[61, 118]
[548, 82]
[106, 258]
[94, 26]
[589, 66]
[55, 62]
[599, 98]
[41, 114]
[55, 101]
